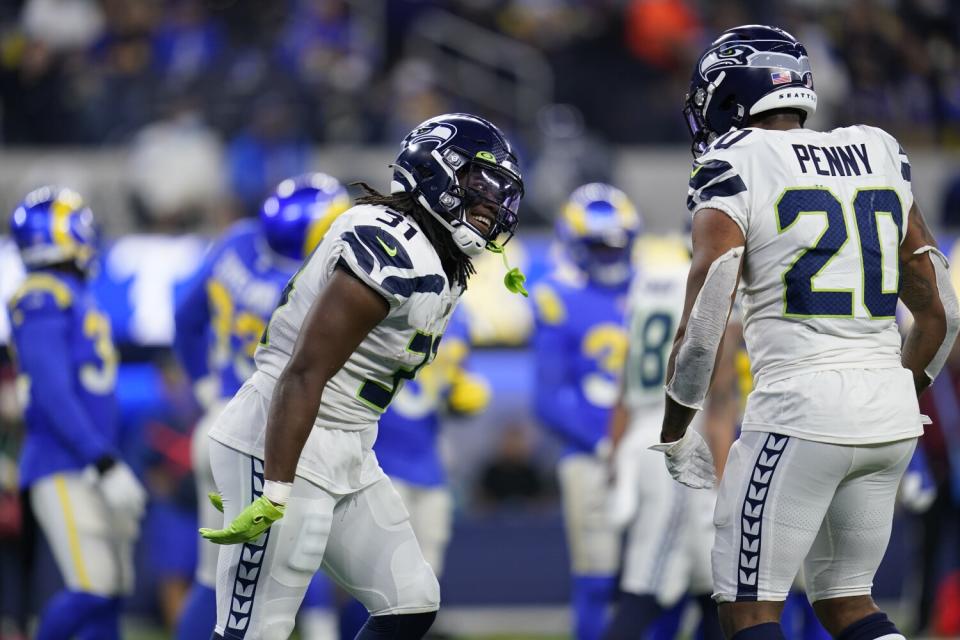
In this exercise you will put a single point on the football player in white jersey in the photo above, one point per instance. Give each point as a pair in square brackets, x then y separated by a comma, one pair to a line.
[364, 313]
[823, 231]
[669, 530]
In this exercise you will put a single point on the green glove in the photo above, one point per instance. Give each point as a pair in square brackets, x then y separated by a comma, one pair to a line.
[252, 521]
[216, 500]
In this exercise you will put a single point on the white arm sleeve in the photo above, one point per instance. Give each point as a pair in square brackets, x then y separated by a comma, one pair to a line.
[950, 306]
[693, 368]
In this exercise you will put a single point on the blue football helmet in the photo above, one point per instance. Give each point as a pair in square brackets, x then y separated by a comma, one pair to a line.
[299, 212]
[597, 228]
[747, 70]
[52, 225]
[455, 162]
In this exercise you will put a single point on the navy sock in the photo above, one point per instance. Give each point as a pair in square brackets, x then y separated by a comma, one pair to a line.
[86, 615]
[765, 631]
[709, 619]
[591, 596]
[635, 613]
[199, 615]
[876, 625]
[411, 626]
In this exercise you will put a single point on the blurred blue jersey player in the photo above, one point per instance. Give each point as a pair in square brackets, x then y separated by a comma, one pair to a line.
[86, 499]
[220, 318]
[580, 345]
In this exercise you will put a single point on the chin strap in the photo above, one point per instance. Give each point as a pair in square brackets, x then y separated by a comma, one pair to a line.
[514, 278]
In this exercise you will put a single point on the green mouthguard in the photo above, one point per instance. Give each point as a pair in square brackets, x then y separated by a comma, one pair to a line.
[514, 278]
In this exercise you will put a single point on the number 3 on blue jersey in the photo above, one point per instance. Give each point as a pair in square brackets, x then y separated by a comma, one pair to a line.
[801, 299]
[99, 377]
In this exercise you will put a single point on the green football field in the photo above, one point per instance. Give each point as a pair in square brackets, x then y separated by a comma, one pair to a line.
[139, 632]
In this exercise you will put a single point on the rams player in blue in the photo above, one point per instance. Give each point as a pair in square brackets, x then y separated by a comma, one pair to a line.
[86, 499]
[580, 345]
[219, 320]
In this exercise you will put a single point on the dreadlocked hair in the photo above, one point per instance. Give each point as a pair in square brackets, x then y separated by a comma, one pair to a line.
[456, 264]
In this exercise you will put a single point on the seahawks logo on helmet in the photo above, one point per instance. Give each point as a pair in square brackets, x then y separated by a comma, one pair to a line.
[439, 133]
[727, 57]
[742, 55]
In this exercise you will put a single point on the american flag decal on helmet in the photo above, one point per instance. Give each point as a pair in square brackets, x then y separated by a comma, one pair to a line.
[780, 77]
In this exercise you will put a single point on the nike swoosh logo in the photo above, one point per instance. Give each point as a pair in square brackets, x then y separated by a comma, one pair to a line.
[391, 251]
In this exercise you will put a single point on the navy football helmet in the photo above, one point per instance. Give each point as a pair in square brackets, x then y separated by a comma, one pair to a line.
[299, 212]
[747, 70]
[456, 163]
[52, 225]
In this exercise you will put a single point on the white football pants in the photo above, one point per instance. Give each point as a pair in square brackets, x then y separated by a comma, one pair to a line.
[363, 540]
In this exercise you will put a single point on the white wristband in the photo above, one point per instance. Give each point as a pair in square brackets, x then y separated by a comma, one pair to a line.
[277, 492]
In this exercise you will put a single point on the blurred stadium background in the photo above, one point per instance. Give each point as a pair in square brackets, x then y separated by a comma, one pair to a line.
[175, 117]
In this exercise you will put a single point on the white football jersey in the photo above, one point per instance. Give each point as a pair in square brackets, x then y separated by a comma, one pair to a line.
[823, 214]
[391, 254]
[653, 313]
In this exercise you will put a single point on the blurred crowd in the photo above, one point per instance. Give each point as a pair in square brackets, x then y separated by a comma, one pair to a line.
[236, 93]
[292, 72]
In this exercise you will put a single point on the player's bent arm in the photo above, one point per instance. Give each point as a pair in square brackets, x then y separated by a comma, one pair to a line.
[340, 318]
[718, 246]
[927, 291]
[619, 418]
[616, 430]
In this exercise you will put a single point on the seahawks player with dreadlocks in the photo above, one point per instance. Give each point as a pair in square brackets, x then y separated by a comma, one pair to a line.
[292, 452]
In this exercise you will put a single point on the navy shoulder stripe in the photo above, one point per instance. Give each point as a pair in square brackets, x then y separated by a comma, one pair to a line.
[364, 257]
[723, 189]
[905, 170]
[707, 172]
[406, 287]
[387, 249]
